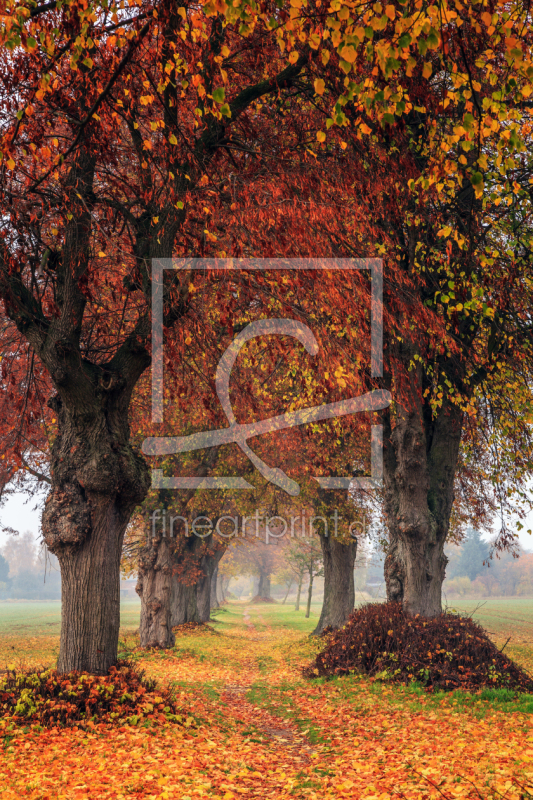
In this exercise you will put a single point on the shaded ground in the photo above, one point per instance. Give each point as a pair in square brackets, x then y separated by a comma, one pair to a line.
[258, 730]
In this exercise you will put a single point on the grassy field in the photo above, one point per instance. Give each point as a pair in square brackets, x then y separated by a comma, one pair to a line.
[30, 630]
[255, 728]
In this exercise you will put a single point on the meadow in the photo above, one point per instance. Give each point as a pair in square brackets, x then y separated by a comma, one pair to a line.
[253, 727]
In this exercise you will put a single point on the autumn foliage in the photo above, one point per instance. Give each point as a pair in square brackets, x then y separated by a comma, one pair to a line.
[444, 653]
[79, 699]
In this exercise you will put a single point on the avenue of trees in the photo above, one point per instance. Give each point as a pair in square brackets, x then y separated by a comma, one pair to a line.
[309, 129]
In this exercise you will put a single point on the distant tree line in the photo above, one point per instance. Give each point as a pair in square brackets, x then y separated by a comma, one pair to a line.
[26, 573]
[471, 571]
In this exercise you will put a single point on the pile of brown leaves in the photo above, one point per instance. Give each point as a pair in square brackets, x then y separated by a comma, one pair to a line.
[445, 652]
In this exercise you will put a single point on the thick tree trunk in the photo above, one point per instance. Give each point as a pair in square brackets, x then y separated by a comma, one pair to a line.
[97, 480]
[90, 596]
[184, 605]
[154, 587]
[309, 596]
[420, 461]
[263, 590]
[339, 592]
[299, 593]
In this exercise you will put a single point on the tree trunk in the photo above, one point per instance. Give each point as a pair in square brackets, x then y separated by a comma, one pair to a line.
[298, 593]
[154, 587]
[97, 480]
[90, 597]
[203, 591]
[287, 592]
[220, 589]
[224, 585]
[208, 565]
[263, 590]
[420, 460]
[214, 598]
[309, 595]
[339, 592]
[184, 605]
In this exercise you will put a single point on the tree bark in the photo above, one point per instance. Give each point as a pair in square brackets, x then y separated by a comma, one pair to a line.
[208, 565]
[339, 591]
[263, 590]
[420, 460]
[299, 593]
[184, 605]
[287, 592]
[309, 595]
[97, 480]
[155, 587]
[214, 598]
[219, 588]
[224, 585]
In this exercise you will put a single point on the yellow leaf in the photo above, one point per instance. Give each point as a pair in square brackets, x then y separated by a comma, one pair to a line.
[349, 54]
[321, 136]
[364, 128]
[390, 11]
[319, 86]
[11, 164]
[172, 139]
[427, 70]
[293, 57]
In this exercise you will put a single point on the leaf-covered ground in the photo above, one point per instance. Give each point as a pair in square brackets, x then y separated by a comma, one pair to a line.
[259, 730]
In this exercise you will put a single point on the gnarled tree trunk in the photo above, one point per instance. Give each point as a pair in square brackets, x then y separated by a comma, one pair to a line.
[97, 480]
[155, 585]
[339, 591]
[420, 460]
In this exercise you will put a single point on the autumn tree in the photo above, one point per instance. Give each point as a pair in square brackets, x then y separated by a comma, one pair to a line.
[304, 556]
[424, 160]
[445, 110]
[110, 121]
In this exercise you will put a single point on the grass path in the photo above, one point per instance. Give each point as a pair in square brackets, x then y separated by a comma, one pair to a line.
[257, 729]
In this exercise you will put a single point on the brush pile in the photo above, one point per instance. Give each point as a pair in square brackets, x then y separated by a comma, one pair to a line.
[442, 653]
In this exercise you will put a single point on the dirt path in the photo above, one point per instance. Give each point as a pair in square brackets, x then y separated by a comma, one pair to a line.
[281, 733]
